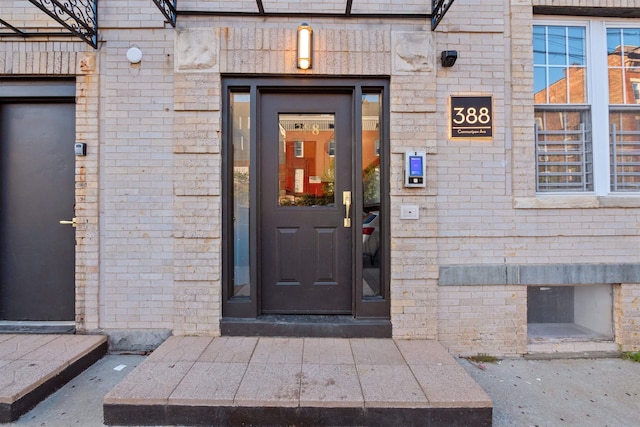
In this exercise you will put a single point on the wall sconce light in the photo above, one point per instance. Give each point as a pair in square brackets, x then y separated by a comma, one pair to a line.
[305, 46]
[448, 58]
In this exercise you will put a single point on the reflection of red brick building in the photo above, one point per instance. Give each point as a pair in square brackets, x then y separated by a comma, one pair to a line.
[564, 142]
[309, 154]
[557, 91]
[626, 93]
[307, 157]
[623, 88]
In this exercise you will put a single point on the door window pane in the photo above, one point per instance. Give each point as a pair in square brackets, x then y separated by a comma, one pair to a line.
[306, 161]
[240, 134]
[371, 215]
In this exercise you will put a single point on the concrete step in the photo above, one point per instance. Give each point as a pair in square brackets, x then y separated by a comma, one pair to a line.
[298, 381]
[34, 366]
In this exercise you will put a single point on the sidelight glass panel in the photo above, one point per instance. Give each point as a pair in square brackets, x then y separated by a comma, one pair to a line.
[306, 160]
[240, 130]
[371, 213]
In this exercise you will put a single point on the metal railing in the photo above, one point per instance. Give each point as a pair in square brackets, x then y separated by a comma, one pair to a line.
[564, 160]
[625, 159]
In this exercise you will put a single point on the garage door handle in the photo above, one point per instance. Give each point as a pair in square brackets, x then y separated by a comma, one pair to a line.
[72, 222]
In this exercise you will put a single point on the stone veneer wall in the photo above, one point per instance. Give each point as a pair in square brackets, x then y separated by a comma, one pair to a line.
[340, 49]
[149, 196]
[626, 310]
[71, 59]
[477, 180]
[148, 191]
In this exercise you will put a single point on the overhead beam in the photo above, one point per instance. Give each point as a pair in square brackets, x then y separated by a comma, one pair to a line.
[605, 12]
[78, 16]
[12, 28]
[310, 15]
[168, 9]
[438, 10]
[348, 8]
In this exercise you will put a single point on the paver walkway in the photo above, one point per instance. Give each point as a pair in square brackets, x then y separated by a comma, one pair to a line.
[34, 366]
[298, 381]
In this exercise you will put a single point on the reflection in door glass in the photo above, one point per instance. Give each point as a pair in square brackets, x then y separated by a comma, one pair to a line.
[306, 163]
[371, 219]
[240, 130]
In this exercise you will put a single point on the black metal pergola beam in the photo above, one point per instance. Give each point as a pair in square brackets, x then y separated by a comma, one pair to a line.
[168, 9]
[438, 9]
[347, 10]
[80, 17]
[305, 14]
[13, 29]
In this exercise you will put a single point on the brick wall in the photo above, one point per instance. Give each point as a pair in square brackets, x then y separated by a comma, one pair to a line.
[483, 319]
[626, 301]
[149, 190]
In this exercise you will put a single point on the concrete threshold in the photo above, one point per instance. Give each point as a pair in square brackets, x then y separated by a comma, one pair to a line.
[298, 381]
[34, 366]
[31, 327]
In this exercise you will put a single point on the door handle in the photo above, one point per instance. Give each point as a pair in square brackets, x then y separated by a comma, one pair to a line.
[346, 201]
[72, 222]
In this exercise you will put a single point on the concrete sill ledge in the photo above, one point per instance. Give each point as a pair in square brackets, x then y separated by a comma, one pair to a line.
[563, 201]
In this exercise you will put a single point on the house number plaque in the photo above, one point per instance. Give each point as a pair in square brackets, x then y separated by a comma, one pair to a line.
[471, 117]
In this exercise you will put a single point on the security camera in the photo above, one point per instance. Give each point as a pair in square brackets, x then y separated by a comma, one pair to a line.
[448, 58]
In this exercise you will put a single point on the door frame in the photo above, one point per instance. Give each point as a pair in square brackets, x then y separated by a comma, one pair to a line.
[248, 307]
[54, 90]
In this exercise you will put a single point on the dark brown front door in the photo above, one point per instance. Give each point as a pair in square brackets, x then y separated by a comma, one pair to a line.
[305, 148]
[37, 258]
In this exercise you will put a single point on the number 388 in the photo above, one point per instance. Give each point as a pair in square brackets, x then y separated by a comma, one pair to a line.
[471, 116]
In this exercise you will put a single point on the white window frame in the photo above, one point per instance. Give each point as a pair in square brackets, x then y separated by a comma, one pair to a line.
[597, 98]
[298, 149]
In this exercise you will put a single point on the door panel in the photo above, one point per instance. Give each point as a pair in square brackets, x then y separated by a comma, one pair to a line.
[305, 166]
[288, 249]
[326, 261]
[37, 254]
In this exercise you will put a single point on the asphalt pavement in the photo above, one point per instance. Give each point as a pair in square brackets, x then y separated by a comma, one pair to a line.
[573, 392]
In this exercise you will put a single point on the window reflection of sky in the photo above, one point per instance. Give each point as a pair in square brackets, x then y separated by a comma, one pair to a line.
[617, 37]
[555, 48]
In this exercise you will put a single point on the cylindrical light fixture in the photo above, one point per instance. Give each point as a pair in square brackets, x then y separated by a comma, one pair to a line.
[305, 49]
[134, 55]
